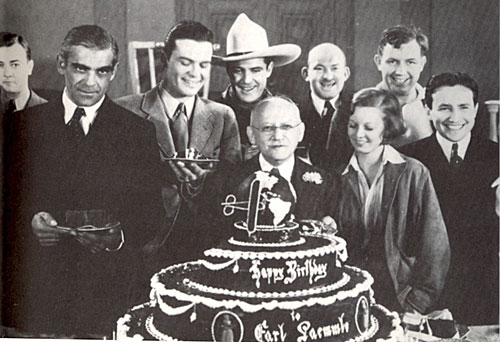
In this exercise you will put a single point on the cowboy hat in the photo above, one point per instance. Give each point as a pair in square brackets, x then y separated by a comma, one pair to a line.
[246, 39]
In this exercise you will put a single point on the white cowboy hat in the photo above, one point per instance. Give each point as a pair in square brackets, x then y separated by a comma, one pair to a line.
[247, 39]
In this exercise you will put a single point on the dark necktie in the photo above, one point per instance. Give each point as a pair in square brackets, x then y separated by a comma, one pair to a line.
[327, 112]
[274, 172]
[11, 107]
[75, 125]
[180, 128]
[455, 158]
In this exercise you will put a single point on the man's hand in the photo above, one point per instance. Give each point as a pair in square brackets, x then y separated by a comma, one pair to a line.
[189, 172]
[45, 228]
[330, 226]
[99, 241]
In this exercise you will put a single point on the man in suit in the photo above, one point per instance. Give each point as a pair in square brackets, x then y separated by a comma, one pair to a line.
[276, 129]
[463, 166]
[208, 127]
[249, 64]
[325, 112]
[80, 160]
[400, 58]
[16, 67]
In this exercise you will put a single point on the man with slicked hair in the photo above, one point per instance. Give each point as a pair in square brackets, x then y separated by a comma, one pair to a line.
[16, 66]
[184, 120]
[84, 197]
[463, 166]
[400, 58]
[325, 111]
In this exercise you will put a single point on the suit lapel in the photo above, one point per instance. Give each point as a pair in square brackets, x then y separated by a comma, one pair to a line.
[436, 152]
[201, 126]
[153, 110]
[306, 192]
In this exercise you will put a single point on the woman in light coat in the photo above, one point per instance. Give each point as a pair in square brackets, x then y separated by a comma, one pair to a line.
[388, 212]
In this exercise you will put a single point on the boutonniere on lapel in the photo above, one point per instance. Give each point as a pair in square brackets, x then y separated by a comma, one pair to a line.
[312, 177]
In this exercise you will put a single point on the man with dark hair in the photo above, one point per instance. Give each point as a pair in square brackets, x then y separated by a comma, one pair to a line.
[326, 110]
[185, 120]
[16, 67]
[84, 196]
[400, 58]
[249, 63]
[463, 166]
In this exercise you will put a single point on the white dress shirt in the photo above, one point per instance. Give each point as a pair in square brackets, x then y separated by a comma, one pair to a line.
[371, 196]
[446, 145]
[319, 104]
[90, 112]
[171, 103]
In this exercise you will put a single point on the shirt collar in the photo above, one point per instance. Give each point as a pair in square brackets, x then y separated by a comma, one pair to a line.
[319, 104]
[447, 144]
[285, 169]
[420, 92]
[20, 101]
[171, 103]
[389, 155]
[70, 106]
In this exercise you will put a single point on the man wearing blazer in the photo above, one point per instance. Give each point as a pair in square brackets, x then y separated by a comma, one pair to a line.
[79, 161]
[16, 66]
[207, 126]
[463, 166]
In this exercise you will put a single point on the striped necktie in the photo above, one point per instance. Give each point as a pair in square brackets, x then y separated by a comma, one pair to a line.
[75, 125]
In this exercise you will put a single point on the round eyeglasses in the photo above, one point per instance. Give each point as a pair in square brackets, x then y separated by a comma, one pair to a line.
[271, 129]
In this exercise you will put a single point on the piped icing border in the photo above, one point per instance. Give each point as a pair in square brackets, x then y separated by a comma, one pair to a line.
[235, 242]
[156, 333]
[369, 334]
[249, 294]
[150, 327]
[338, 246]
[241, 225]
[159, 289]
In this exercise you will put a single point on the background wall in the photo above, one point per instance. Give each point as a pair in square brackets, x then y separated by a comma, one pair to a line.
[464, 34]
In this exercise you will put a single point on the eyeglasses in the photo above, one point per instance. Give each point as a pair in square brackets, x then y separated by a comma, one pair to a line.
[271, 129]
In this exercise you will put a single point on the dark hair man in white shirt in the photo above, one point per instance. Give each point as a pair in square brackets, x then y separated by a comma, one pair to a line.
[463, 166]
[83, 181]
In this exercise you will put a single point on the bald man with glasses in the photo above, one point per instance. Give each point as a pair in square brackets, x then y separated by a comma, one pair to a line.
[276, 129]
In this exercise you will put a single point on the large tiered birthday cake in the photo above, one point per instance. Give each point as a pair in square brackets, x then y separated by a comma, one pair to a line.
[267, 283]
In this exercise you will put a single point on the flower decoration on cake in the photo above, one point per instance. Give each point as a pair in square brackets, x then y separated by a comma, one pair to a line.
[312, 177]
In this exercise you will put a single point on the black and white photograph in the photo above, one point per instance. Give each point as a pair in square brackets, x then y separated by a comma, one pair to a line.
[250, 170]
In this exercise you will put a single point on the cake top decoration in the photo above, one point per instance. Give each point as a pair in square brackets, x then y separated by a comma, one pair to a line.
[268, 200]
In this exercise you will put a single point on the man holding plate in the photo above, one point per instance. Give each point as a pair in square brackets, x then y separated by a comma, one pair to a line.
[84, 198]
[183, 121]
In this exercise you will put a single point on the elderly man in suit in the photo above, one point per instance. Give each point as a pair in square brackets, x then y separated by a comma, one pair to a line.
[400, 58]
[276, 129]
[463, 166]
[16, 67]
[84, 196]
[182, 120]
[326, 110]
[249, 64]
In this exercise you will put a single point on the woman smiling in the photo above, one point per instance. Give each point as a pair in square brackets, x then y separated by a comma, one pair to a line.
[389, 213]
